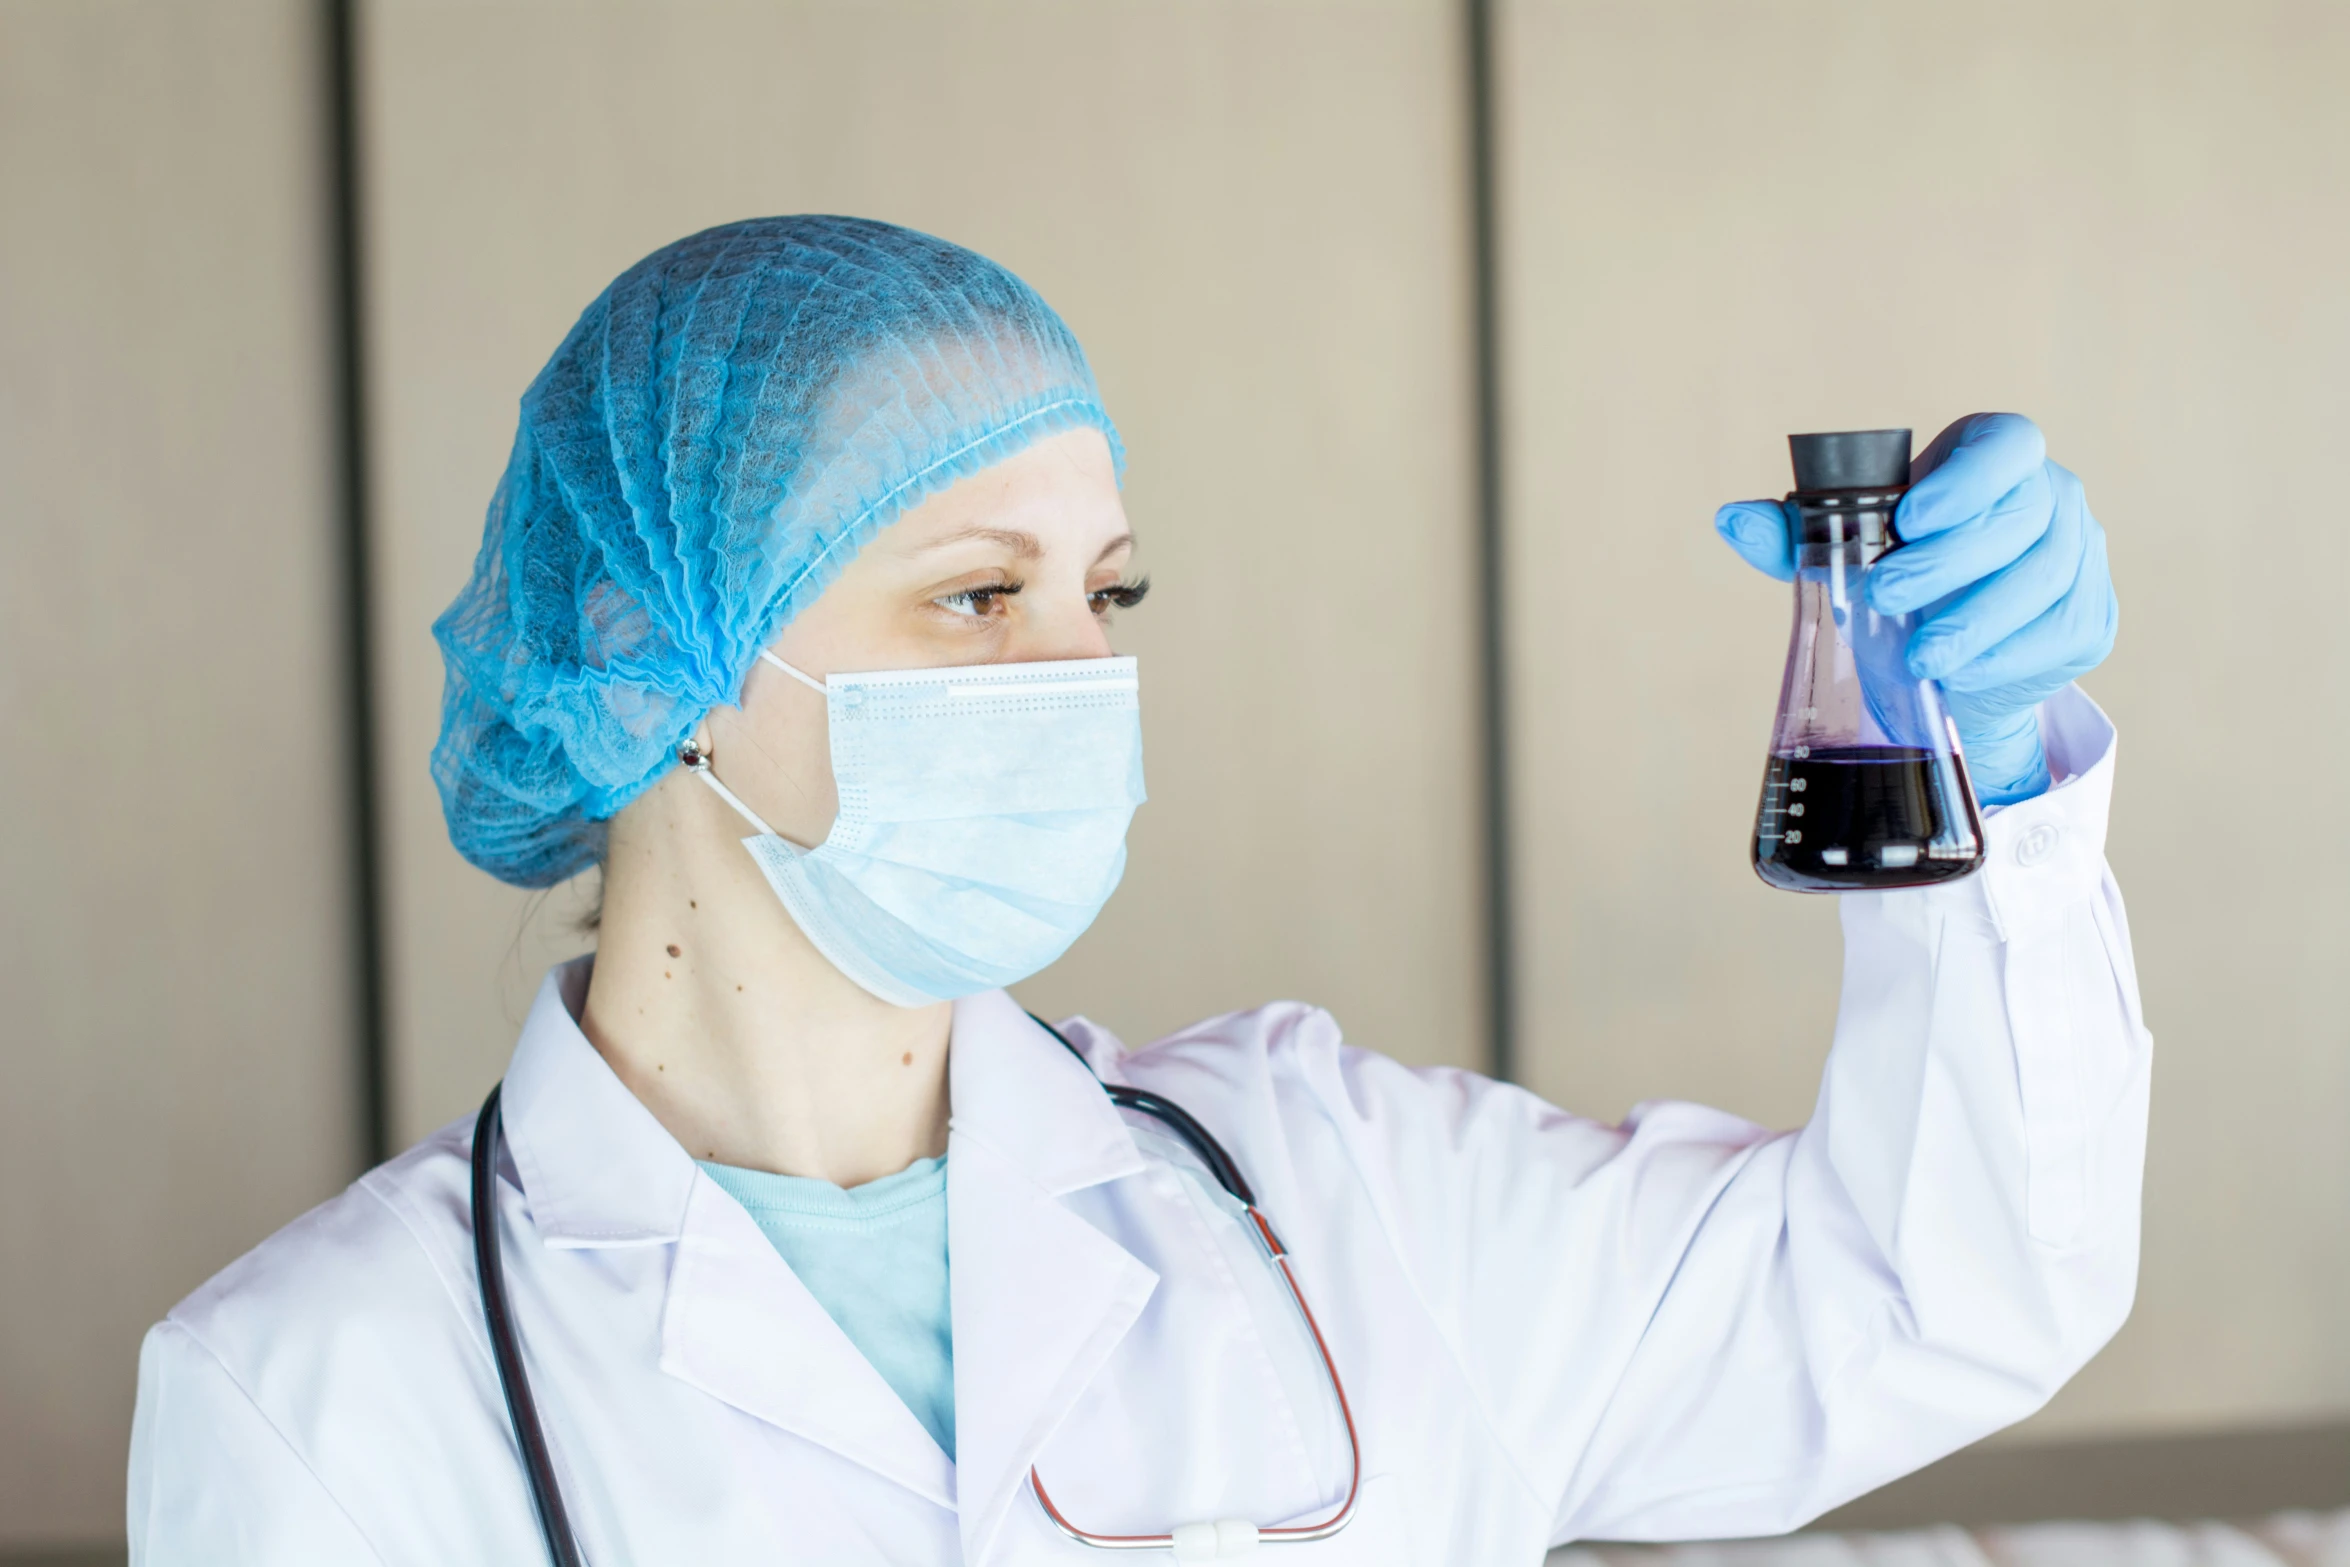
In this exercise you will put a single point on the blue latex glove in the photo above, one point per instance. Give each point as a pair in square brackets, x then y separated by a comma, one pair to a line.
[2006, 570]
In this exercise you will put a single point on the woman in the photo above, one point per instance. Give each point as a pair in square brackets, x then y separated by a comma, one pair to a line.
[808, 547]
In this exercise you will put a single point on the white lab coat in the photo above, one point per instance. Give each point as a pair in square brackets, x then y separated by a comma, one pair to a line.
[1550, 1328]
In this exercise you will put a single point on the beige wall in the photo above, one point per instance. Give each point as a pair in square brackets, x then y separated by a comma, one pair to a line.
[1728, 222]
[1251, 216]
[173, 940]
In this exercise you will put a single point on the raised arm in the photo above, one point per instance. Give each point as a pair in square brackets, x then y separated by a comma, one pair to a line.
[1689, 1327]
[1950, 1238]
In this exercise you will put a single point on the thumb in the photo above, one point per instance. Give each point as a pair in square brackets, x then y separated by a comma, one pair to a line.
[1758, 531]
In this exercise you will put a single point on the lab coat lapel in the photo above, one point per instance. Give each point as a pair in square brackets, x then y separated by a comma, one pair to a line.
[736, 1322]
[739, 1325]
[1041, 1297]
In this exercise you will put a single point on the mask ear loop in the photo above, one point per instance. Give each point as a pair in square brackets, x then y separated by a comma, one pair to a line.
[691, 756]
[810, 681]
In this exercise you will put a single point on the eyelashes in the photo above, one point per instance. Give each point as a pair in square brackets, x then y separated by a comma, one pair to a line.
[1123, 595]
[981, 603]
[977, 603]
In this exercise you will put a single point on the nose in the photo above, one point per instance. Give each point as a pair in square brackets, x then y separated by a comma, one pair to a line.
[1061, 626]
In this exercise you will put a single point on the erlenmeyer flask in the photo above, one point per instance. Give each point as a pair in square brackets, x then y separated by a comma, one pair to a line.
[1866, 787]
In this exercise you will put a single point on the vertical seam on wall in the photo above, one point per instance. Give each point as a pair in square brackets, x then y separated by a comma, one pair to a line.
[348, 340]
[1492, 648]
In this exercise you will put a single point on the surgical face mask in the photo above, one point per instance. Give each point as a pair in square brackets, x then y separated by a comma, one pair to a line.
[982, 821]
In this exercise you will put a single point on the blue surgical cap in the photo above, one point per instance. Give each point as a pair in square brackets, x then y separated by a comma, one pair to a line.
[723, 430]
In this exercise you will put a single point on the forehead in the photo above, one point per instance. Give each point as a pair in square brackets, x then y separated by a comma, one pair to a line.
[1058, 492]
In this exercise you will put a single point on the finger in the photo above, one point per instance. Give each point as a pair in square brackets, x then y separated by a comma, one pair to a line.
[1968, 468]
[2070, 639]
[1983, 616]
[1957, 558]
[1758, 531]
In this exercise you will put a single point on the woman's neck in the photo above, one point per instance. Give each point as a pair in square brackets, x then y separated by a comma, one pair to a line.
[739, 1036]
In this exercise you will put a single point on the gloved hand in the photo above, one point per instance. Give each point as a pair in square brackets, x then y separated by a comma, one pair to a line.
[2006, 570]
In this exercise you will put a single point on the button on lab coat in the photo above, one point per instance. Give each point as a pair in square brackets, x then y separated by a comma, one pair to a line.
[1550, 1328]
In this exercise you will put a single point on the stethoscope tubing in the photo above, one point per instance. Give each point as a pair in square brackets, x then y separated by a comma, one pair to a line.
[538, 1465]
[1227, 1175]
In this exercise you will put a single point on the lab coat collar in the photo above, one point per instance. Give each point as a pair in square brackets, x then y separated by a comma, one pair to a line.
[1041, 1297]
[601, 1171]
[598, 1170]
[596, 1167]
[1016, 1088]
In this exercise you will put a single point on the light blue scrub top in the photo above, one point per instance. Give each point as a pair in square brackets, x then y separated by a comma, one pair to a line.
[875, 1258]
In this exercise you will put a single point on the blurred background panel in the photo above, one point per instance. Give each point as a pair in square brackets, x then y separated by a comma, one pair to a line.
[175, 949]
[1725, 223]
[1254, 218]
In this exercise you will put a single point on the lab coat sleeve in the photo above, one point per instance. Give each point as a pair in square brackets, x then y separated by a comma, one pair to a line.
[212, 1481]
[1686, 1327]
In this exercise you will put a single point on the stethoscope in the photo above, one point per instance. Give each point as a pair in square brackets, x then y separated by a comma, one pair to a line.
[1223, 1538]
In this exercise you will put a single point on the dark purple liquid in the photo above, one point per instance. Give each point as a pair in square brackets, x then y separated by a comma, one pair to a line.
[1864, 817]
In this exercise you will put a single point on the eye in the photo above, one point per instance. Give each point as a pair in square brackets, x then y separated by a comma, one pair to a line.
[976, 603]
[1119, 595]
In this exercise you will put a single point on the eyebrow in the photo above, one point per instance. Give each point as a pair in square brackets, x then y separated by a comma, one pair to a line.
[1025, 545]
